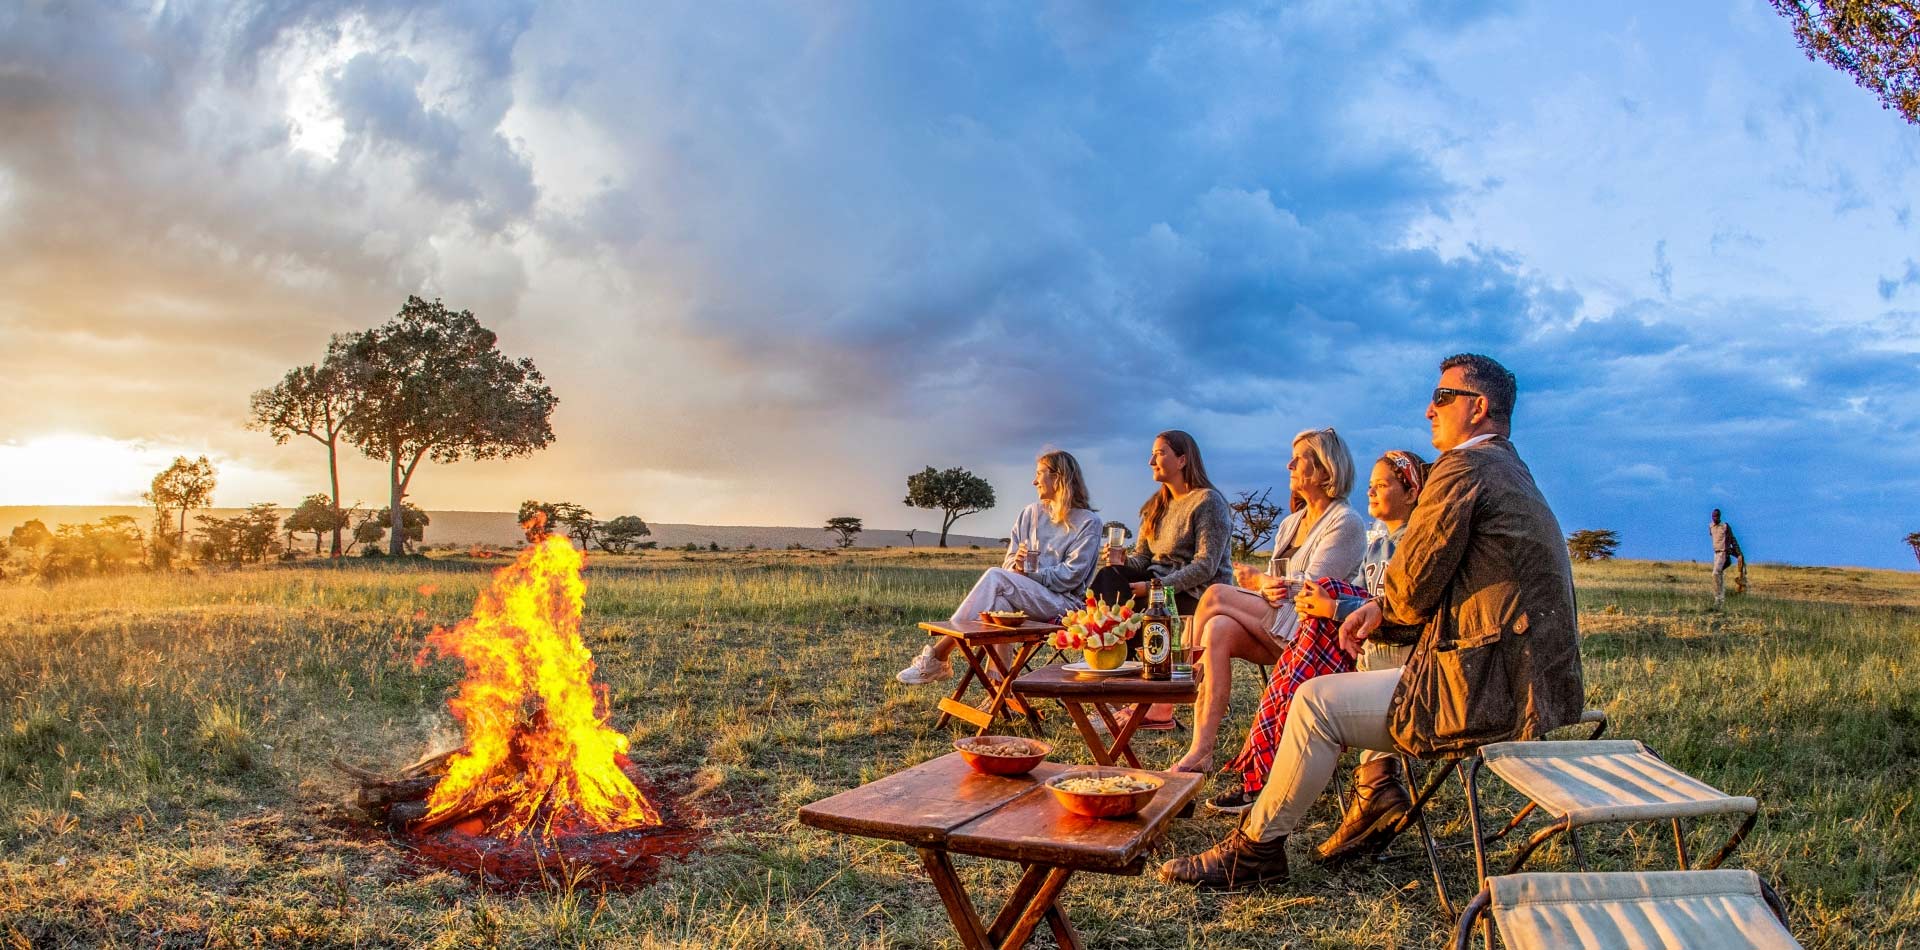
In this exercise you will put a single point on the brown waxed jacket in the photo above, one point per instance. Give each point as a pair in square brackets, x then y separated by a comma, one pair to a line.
[1483, 569]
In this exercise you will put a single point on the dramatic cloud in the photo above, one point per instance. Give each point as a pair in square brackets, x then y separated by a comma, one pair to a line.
[775, 257]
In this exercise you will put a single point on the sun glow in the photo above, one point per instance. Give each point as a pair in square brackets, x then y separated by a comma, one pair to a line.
[75, 469]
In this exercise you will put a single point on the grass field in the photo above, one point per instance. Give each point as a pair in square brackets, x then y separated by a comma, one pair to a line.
[163, 777]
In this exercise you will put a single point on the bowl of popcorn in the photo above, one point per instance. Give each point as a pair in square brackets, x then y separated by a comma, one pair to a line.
[1104, 793]
[1002, 755]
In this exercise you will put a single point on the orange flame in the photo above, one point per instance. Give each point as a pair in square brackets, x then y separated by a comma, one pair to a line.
[539, 758]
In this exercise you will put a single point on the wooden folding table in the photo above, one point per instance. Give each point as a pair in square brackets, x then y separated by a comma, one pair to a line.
[941, 807]
[975, 641]
[1080, 691]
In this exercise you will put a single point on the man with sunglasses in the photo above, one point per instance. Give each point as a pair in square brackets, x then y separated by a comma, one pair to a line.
[1482, 569]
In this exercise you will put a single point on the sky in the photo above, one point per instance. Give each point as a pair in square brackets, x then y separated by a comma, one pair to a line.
[773, 258]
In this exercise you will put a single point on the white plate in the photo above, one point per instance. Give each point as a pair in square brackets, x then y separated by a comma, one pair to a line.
[1125, 667]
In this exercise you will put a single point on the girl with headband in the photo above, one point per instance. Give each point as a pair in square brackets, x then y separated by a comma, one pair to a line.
[1393, 488]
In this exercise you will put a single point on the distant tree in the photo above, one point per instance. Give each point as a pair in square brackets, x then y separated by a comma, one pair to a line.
[252, 535]
[622, 534]
[910, 533]
[1254, 518]
[31, 536]
[846, 527]
[566, 516]
[432, 384]
[108, 546]
[27, 547]
[1913, 541]
[318, 516]
[182, 486]
[1877, 42]
[416, 527]
[955, 493]
[1593, 544]
[369, 530]
[314, 401]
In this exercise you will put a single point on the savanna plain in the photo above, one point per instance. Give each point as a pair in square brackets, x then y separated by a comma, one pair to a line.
[164, 776]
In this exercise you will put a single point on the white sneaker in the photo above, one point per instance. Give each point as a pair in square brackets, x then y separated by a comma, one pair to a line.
[924, 669]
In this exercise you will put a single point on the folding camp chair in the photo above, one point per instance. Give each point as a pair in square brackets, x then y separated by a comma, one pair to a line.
[1436, 776]
[1618, 780]
[1629, 911]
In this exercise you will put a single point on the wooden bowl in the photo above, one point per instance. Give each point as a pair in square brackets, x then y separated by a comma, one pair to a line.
[972, 748]
[1115, 805]
[1012, 623]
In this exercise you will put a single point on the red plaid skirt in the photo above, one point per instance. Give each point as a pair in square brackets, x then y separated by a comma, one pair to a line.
[1315, 651]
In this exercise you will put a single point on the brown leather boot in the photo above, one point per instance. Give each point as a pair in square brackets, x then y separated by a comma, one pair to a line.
[1238, 861]
[1378, 803]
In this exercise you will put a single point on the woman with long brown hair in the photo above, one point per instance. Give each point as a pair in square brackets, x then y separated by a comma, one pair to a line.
[1050, 557]
[1185, 538]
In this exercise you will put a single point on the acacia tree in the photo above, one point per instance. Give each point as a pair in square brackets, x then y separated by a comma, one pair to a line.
[846, 527]
[955, 493]
[1593, 544]
[314, 401]
[1254, 517]
[431, 384]
[184, 486]
[1877, 42]
[1913, 541]
[622, 534]
[318, 515]
[576, 520]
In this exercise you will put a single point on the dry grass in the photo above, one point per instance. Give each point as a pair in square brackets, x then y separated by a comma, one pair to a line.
[163, 740]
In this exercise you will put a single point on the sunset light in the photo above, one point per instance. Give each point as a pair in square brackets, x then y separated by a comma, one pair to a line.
[75, 469]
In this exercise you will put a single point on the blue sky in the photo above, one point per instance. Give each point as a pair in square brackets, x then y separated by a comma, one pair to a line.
[773, 258]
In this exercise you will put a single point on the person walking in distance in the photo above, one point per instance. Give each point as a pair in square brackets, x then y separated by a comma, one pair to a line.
[1726, 548]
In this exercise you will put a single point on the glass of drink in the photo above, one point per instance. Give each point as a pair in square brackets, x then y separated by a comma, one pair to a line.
[1116, 545]
[1031, 562]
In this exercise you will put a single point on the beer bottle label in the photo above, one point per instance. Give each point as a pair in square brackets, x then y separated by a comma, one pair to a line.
[1157, 644]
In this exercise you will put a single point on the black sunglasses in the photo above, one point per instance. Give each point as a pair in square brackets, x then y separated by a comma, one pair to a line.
[1443, 395]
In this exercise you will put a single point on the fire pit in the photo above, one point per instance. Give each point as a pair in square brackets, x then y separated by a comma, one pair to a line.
[541, 788]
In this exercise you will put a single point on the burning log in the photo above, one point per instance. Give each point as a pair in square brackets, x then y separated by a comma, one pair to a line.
[542, 782]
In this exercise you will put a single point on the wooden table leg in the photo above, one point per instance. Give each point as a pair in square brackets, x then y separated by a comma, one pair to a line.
[1030, 880]
[957, 707]
[1037, 909]
[965, 919]
[1078, 714]
[1123, 737]
[1063, 932]
[1001, 691]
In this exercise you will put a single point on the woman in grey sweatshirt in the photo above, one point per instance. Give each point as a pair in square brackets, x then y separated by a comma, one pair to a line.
[1062, 535]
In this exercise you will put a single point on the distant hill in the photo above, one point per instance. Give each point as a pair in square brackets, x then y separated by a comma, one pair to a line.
[499, 527]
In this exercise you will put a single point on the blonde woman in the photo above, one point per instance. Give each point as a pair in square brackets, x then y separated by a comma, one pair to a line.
[1063, 535]
[1325, 538]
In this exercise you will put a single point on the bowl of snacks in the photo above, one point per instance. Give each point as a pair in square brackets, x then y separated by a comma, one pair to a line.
[1004, 618]
[1103, 793]
[1002, 755]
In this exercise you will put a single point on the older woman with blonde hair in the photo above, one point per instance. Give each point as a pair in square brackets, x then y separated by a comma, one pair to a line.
[1255, 621]
[1062, 534]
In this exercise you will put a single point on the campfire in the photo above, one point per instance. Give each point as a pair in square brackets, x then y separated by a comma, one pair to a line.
[541, 782]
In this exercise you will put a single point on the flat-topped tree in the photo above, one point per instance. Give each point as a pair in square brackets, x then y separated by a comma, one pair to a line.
[431, 384]
[955, 493]
[846, 526]
[314, 401]
[183, 486]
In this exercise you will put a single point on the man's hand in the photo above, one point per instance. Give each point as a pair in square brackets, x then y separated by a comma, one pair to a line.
[1312, 600]
[1358, 626]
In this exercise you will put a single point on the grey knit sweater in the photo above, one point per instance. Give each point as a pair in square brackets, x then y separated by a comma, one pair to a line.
[1194, 545]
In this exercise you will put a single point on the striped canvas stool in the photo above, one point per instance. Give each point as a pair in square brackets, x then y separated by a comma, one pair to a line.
[1602, 782]
[1629, 911]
